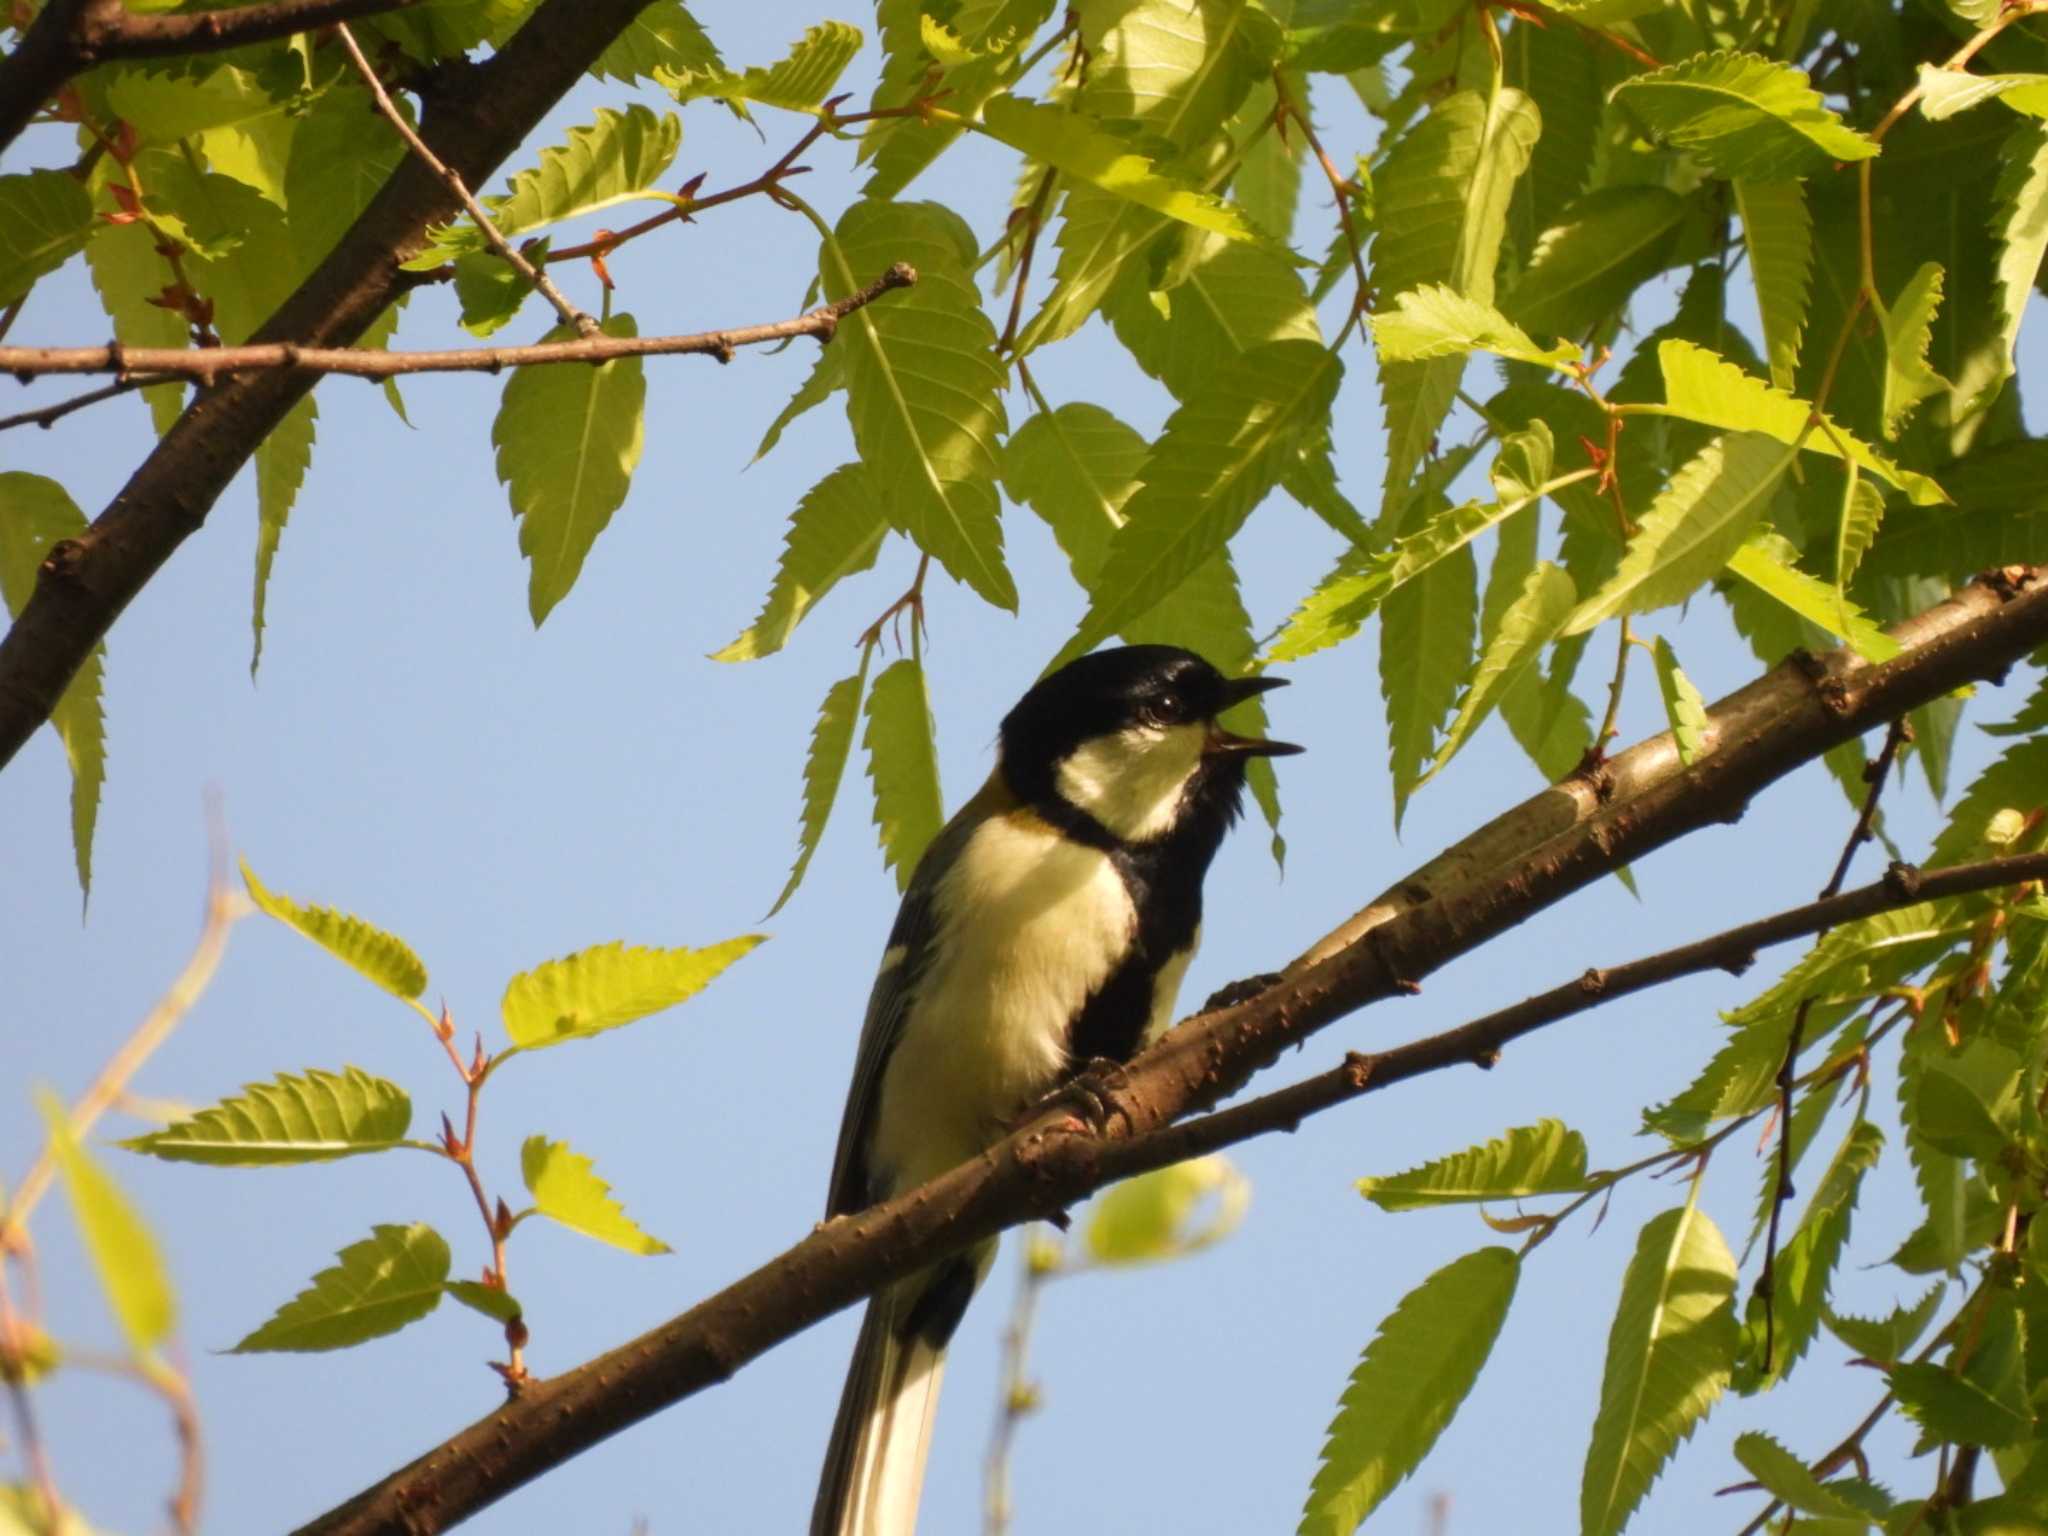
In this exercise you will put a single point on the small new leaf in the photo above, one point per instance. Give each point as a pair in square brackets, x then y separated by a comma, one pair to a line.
[1908, 332]
[1743, 115]
[393, 1277]
[309, 1119]
[564, 1189]
[824, 768]
[1435, 321]
[601, 988]
[1540, 1159]
[1684, 709]
[371, 952]
[499, 1306]
[125, 1255]
[834, 533]
[903, 764]
[1765, 561]
[1153, 1217]
[1786, 1478]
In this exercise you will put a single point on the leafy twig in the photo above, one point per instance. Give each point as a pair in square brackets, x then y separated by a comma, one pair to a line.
[1866, 819]
[1781, 1190]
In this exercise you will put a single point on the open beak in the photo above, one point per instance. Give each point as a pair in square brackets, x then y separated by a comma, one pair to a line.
[1235, 692]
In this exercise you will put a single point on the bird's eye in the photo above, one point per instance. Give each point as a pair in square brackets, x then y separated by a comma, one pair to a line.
[1163, 710]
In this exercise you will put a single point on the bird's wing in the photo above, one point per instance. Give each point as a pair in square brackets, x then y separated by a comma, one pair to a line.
[903, 966]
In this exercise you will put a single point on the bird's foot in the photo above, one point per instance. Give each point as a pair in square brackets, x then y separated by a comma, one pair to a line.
[1240, 991]
[1089, 1095]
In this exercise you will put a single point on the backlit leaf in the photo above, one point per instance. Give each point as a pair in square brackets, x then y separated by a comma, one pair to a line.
[370, 952]
[1908, 332]
[1540, 1159]
[124, 1254]
[605, 986]
[1154, 1216]
[1588, 265]
[391, 1278]
[2020, 226]
[834, 533]
[1684, 709]
[799, 82]
[903, 765]
[1433, 321]
[45, 219]
[1945, 92]
[1744, 115]
[1777, 230]
[281, 461]
[565, 1190]
[1765, 562]
[1786, 1478]
[1509, 655]
[1426, 639]
[824, 768]
[293, 1119]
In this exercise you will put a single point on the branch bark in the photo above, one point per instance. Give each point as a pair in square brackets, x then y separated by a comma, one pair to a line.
[475, 117]
[1524, 861]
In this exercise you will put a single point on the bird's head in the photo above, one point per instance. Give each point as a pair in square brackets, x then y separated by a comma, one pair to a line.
[1130, 738]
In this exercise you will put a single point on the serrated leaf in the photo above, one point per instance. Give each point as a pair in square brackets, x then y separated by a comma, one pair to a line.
[124, 1255]
[1426, 640]
[1222, 299]
[568, 437]
[799, 82]
[565, 1190]
[1788, 1479]
[1744, 115]
[127, 273]
[1765, 562]
[1887, 1339]
[1509, 655]
[663, 37]
[2019, 778]
[370, 952]
[1217, 458]
[903, 765]
[499, 1306]
[1738, 1079]
[1945, 92]
[834, 533]
[391, 1278]
[1856, 531]
[36, 514]
[1433, 321]
[1172, 69]
[281, 462]
[922, 388]
[826, 378]
[1152, 1218]
[342, 153]
[1950, 1409]
[1691, 529]
[1777, 231]
[1540, 1159]
[2020, 227]
[1701, 386]
[1908, 332]
[1684, 710]
[1589, 264]
[1669, 1356]
[311, 1119]
[1075, 467]
[824, 768]
[1408, 1384]
[607, 985]
[45, 219]
[1072, 145]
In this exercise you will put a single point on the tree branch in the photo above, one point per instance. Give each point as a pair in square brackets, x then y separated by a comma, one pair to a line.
[474, 119]
[209, 364]
[1524, 861]
[70, 36]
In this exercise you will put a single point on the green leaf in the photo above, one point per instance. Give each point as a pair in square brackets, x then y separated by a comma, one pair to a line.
[2020, 225]
[45, 219]
[903, 764]
[2019, 778]
[1172, 69]
[311, 1119]
[125, 1256]
[36, 514]
[1075, 467]
[1739, 1078]
[1786, 1478]
[281, 462]
[824, 768]
[800, 82]
[607, 985]
[1966, 1104]
[1222, 299]
[565, 1190]
[922, 388]
[1698, 521]
[1743, 115]
[1856, 531]
[393, 1277]
[826, 378]
[1701, 386]
[1540, 1159]
[1777, 231]
[1408, 1384]
[1765, 562]
[1442, 200]
[1071, 144]
[1887, 1339]
[664, 37]
[1951, 1409]
[342, 153]
[1589, 264]
[1433, 321]
[1508, 656]
[127, 272]
[1213, 464]
[1426, 638]
[370, 952]
[1684, 709]
[1669, 1355]
[568, 436]
[1153, 1217]
[834, 533]
[602, 164]
[1908, 332]
[498, 1305]
[1945, 92]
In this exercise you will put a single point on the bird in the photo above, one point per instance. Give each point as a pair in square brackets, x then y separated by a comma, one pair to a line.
[1044, 931]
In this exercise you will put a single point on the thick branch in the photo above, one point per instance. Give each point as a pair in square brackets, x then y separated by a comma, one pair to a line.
[1546, 848]
[70, 36]
[474, 118]
[209, 364]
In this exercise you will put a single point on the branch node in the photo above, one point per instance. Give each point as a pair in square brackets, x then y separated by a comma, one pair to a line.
[1594, 982]
[1903, 880]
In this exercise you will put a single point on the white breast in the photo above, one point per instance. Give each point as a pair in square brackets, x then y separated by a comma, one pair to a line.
[1038, 923]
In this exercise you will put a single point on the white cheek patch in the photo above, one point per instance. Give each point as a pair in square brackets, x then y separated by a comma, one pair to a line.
[1133, 782]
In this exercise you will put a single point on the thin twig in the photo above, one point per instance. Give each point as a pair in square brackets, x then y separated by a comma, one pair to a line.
[1033, 215]
[13, 1346]
[1285, 108]
[1866, 819]
[1609, 725]
[1781, 1191]
[50, 415]
[582, 323]
[1017, 1396]
[206, 364]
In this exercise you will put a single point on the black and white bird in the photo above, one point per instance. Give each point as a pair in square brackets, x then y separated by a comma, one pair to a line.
[1048, 925]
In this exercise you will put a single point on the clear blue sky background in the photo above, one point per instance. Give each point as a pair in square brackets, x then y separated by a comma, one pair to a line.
[414, 751]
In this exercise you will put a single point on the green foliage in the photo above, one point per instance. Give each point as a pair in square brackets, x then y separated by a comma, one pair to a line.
[1683, 707]
[45, 219]
[565, 1190]
[800, 82]
[295, 1119]
[124, 1254]
[1540, 1159]
[1168, 1213]
[1435, 321]
[393, 1277]
[903, 764]
[601, 988]
[370, 952]
[1407, 1385]
[1744, 116]
[824, 767]
[835, 532]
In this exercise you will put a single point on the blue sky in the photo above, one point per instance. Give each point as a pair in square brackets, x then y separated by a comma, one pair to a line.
[413, 750]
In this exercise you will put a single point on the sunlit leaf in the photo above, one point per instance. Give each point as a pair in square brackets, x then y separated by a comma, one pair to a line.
[1154, 1216]
[1509, 655]
[124, 1254]
[1788, 1479]
[1744, 115]
[1777, 231]
[824, 768]
[1540, 1159]
[1765, 561]
[903, 766]
[370, 952]
[1888, 1338]
[1426, 641]
[565, 1190]
[45, 219]
[605, 986]
[800, 82]
[1684, 710]
[834, 533]
[293, 1119]
[391, 1278]
[1588, 265]
[281, 461]
[2019, 223]
[1945, 92]
[1433, 321]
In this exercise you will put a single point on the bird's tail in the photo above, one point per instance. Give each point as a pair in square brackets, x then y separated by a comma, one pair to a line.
[874, 1465]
